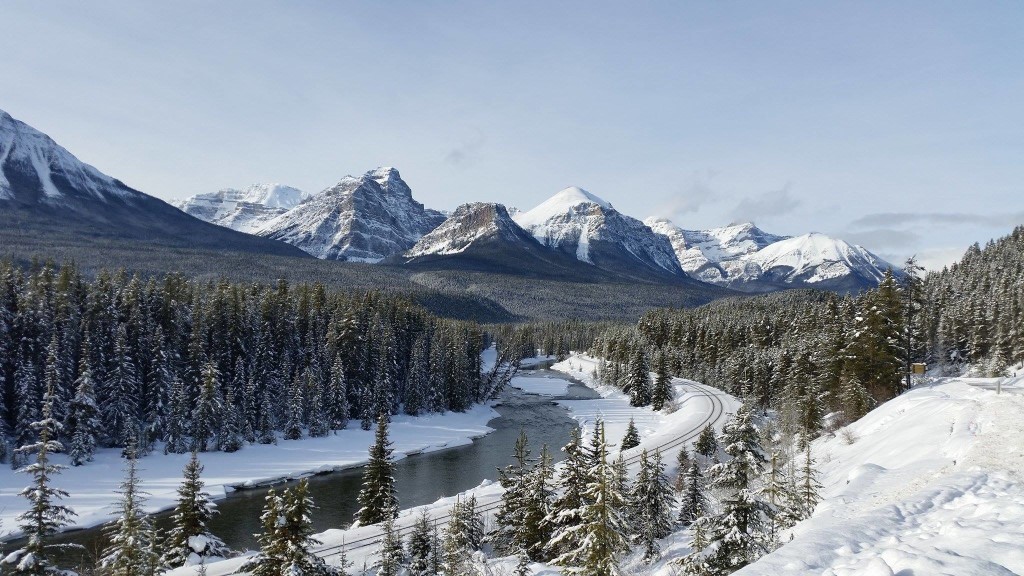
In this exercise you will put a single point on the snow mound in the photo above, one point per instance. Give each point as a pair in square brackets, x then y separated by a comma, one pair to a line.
[932, 483]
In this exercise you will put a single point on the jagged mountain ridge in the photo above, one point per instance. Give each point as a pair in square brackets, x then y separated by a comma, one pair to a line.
[46, 191]
[578, 223]
[243, 210]
[364, 219]
[744, 257]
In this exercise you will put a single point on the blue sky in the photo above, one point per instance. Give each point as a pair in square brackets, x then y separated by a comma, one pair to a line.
[896, 125]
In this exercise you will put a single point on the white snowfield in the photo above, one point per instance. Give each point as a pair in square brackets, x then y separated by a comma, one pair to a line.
[932, 485]
[698, 405]
[93, 486]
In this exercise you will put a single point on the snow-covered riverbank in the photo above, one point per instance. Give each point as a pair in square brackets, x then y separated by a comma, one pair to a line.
[695, 405]
[93, 486]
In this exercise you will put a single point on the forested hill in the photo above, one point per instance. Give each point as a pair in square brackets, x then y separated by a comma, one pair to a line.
[186, 365]
[809, 354]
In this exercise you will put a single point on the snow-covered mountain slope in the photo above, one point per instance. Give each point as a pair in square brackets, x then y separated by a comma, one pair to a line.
[362, 219]
[482, 236]
[469, 224]
[931, 482]
[243, 210]
[817, 259]
[579, 223]
[46, 192]
[744, 257]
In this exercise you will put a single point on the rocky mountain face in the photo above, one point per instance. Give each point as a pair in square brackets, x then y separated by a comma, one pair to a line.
[578, 223]
[364, 219]
[243, 210]
[45, 191]
[744, 257]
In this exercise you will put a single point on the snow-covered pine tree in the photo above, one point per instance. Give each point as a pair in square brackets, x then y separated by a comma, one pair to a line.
[639, 378]
[809, 487]
[391, 553]
[707, 443]
[682, 466]
[566, 510]
[377, 499]
[436, 564]
[661, 393]
[190, 540]
[776, 490]
[287, 539]
[508, 537]
[463, 535]
[230, 437]
[209, 409]
[738, 530]
[694, 501]
[130, 551]
[650, 503]
[632, 437]
[318, 417]
[419, 547]
[338, 406]
[176, 435]
[599, 537]
[120, 404]
[45, 515]
[293, 427]
[536, 530]
[83, 418]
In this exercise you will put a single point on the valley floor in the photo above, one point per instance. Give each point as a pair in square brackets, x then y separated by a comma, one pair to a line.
[697, 405]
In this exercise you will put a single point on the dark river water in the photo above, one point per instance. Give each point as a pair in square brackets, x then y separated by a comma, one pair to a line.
[419, 479]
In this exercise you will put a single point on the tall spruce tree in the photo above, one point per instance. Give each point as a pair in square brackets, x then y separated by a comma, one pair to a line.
[420, 546]
[377, 498]
[190, 540]
[694, 500]
[661, 394]
[45, 515]
[632, 437]
[131, 551]
[287, 539]
[83, 418]
[599, 537]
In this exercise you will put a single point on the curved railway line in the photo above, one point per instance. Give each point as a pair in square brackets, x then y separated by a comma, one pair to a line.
[488, 508]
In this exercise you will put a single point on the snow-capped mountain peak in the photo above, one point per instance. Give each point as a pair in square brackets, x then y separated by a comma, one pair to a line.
[243, 210]
[54, 172]
[366, 218]
[745, 257]
[580, 223]
[466, 225]
[815, 258]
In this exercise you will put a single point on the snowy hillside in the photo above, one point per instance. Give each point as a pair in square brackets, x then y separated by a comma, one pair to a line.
[931, 482]
[744, 257]
[468, 224]
[365, 218]
[577, 222]
[243, 210]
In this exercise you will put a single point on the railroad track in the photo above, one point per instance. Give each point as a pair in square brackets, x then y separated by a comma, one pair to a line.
[488, 508]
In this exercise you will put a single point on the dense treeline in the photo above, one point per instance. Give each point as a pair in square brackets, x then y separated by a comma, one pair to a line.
[188, 365]
[557, 338]
[809, 353]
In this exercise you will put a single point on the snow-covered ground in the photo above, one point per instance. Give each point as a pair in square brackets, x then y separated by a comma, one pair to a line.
[931, 482]
[696, 404]
[93, 486]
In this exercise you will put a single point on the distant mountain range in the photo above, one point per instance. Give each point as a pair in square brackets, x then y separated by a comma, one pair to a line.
[572, 236]
[373, 218]
[46, 191]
